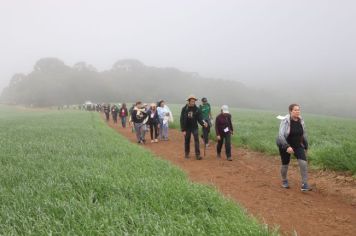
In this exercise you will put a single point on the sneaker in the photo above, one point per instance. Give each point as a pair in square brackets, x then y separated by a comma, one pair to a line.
[218, 156]
[186, 156]
[156, 140]
[152, 141]
[285, 184]
[229, 159]
[305, 187]
[207, 145]
[198, 157]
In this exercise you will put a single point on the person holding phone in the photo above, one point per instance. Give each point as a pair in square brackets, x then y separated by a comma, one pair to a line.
[224, 130]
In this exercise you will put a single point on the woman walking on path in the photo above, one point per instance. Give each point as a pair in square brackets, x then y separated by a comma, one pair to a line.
[153, 122]
[165, 116]
[123, 113]
[224, 130]
[292, 139]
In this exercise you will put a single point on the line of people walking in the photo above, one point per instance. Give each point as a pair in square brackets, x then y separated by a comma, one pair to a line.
[291, 140]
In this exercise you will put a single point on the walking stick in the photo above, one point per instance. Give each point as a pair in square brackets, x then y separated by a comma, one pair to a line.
[204, 149]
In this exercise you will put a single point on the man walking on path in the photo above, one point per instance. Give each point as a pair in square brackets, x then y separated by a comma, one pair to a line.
[189, 119]
[224, 130]
[206, 113]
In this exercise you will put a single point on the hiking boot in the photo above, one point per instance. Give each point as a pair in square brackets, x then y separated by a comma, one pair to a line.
[305, 187]
[285, 183]
[229, 159]
[198, 157]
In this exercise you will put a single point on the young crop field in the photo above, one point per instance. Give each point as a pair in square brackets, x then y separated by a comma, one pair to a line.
[331, 139]
[68, 173]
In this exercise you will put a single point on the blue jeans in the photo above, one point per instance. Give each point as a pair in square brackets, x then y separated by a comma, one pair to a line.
[123, 121]
[163, 130]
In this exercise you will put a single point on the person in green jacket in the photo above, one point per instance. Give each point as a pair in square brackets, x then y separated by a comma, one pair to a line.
[205, 110]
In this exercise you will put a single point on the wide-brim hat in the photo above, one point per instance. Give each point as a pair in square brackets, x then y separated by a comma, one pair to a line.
[192, 97]
[225, 109]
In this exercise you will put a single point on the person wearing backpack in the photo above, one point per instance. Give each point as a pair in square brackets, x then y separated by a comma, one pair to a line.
[189, 119]
[224, 130]
[206, 113]
[106, 108]
[114, 111]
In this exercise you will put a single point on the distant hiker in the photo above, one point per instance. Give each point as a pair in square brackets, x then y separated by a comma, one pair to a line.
[206, 113]
[165, 116]
[292, 139]
[106, 109]
[189, 119]
[130, 117]
[153, 122]
[224, 130]
[123, 113]
[139, 116]
[114, 111]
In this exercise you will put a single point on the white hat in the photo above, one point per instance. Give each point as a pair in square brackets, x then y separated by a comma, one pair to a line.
[225, 109]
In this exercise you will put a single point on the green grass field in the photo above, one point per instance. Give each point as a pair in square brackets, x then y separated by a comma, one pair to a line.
[68, 173]
[332, 140]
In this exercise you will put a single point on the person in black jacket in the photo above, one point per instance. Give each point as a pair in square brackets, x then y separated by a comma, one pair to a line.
[106, 108]
[153, 122]
[189, 119]
[224, 130]
[139, 116]
[114, 111]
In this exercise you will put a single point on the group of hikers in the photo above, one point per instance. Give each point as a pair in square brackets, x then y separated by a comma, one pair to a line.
[292, 138]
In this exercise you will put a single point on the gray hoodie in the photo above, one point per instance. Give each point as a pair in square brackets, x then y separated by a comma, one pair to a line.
[284, 130]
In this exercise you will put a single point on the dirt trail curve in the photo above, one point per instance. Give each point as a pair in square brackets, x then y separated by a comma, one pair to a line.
[252, 179]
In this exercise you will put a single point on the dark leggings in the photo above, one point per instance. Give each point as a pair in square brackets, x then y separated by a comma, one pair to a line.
[155, 128]
[299, 153]
[227, 138]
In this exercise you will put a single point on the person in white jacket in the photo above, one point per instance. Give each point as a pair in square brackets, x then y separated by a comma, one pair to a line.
[165, 116]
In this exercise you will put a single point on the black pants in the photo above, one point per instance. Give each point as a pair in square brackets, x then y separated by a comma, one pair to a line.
[227, 139]
[196, 141]
[299, 153]
[107, 115]
[154, 127]
[114, 117]
[206, 131]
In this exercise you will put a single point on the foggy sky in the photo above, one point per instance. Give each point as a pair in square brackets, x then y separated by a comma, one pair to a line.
[251, 41]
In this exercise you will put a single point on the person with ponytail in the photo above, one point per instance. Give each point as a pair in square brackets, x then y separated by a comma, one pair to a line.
[292, 139]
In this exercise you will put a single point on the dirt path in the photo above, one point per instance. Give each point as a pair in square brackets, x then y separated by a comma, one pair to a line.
[252, 179]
